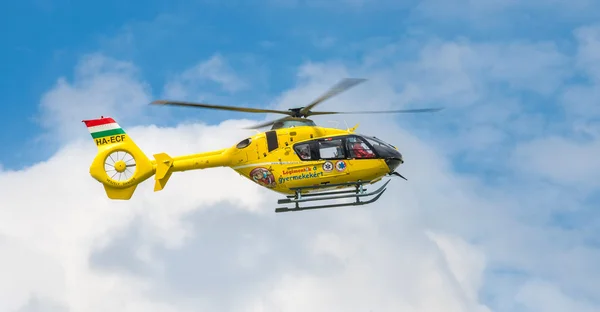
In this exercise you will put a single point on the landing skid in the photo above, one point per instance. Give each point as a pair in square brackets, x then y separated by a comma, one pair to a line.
[358, 192]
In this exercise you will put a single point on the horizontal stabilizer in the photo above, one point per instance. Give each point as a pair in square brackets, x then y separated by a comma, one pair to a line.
[164, 163]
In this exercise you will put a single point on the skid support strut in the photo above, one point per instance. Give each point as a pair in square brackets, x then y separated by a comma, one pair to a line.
[358, 192]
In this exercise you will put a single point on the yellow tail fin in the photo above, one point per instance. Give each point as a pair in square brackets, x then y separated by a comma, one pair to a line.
[164, 163]
[120, 164]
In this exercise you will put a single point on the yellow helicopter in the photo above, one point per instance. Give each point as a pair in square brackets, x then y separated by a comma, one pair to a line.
[297, 158]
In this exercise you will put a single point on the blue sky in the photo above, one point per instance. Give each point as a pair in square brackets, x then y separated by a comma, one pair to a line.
[510, 166]
[269, 40]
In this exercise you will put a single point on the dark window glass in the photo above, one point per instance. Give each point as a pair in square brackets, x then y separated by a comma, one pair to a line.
[332, 149]
[303, 151]
[357, 148]
[244, 143]
[272, 143]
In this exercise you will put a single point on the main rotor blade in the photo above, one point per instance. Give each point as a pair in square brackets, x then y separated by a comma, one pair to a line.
[338, 88]
[417, 110]
[221, 107]
[266, 123]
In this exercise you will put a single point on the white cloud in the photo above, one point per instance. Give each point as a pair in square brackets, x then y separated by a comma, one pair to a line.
[465, 263]
[378, 277]
[562, 160]
[581, 100]
[57, 231]
[572, 159]
[589, 46]
[513, 226]
[477, 68]
[541, 296]
[70, 220]
[214, 70]
[100, 86]
[51, 235]
[479, 83]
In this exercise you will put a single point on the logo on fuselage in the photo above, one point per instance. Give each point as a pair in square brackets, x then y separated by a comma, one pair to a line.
[340, 165]
[263, 177]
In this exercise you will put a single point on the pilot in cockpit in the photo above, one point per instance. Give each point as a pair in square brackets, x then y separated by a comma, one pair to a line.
[304, 152]
[358, 150]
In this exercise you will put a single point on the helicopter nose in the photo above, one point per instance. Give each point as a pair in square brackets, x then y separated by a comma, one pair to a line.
[394, 161]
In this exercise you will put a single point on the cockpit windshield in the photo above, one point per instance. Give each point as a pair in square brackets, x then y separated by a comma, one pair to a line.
[375, 141]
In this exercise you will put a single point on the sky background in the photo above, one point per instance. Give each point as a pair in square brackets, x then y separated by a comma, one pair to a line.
[499, 212]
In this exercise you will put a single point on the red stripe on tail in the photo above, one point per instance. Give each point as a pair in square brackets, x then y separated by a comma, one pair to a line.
[98, 122]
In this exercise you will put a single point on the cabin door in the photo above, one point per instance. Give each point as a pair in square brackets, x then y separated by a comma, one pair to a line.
[333, 160]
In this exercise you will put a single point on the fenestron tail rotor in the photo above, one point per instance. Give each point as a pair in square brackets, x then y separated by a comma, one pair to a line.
[120, 166]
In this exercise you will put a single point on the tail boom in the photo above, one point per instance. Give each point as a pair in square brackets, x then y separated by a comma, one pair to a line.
[165, 165]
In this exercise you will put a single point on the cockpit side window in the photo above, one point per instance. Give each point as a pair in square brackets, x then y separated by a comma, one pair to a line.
[332, 149]
[244, 143]
[357, 148]
[303, 151]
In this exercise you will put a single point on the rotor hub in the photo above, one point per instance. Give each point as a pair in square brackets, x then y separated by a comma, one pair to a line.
[120, 166]
[296, 112]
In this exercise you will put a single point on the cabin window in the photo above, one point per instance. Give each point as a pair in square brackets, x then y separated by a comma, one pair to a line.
[331, 149]
[272, 143]
[303, 151]
[244, 143]
[358, 149]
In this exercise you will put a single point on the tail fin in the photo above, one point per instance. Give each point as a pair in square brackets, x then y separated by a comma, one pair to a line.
[120, 164]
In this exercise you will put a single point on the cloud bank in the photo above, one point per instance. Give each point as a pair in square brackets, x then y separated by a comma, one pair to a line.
[521, 238]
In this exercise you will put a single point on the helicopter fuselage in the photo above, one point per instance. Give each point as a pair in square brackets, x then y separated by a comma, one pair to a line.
[284, 159]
